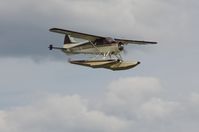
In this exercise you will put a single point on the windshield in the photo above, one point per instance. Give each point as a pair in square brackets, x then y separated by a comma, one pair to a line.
[110, 40]
[107, 40]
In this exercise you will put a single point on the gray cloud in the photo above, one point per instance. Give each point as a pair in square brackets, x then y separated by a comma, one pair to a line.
[25, 24]
[58, 113]
[167, 101]
[138, 97]
[75, 113]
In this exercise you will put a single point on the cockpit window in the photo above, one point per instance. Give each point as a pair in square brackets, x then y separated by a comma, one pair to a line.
[110, 40]
[107, 40]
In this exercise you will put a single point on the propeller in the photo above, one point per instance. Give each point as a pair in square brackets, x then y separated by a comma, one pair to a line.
[121, 48]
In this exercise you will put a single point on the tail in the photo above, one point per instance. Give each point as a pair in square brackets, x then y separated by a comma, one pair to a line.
[67, 39]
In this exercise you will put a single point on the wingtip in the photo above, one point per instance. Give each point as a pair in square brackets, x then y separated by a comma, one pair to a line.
[54, 29]
[153, 42]
[51, 29]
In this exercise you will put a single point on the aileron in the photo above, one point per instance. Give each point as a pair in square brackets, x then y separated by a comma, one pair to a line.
[135, 42]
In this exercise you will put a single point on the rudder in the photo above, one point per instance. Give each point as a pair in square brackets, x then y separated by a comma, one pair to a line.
[67, 40]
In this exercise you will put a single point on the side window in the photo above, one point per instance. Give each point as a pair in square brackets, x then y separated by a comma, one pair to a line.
[110, 40]
[99, 41]
[102, 41]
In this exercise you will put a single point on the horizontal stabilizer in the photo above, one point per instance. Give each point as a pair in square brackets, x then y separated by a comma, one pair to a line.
[51, 47]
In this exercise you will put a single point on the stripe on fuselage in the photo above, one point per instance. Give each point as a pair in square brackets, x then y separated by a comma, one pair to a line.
[93, 49]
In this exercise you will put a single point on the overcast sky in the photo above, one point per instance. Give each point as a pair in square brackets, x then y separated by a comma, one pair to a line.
[41, 92]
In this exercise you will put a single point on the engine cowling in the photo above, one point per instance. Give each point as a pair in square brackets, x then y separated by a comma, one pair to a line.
[121, 46]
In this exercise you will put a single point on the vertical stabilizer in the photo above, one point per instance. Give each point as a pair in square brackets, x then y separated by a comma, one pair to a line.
[67, 39]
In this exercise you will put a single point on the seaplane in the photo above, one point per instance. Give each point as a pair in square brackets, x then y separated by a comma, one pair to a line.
[107, 47]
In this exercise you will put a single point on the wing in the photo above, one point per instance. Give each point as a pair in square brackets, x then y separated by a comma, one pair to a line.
[76, 34]
[125, 41]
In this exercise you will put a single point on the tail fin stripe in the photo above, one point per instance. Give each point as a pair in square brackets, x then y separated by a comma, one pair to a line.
[67, 39]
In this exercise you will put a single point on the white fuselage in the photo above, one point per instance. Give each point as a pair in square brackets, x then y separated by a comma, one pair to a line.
[87, 48]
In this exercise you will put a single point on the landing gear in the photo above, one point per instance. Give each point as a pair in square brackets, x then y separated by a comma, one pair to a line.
[119, 57]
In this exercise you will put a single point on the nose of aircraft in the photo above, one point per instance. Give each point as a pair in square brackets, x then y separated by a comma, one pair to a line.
[121, 47]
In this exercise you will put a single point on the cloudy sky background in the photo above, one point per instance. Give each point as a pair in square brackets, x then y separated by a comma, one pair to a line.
[40, 91]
